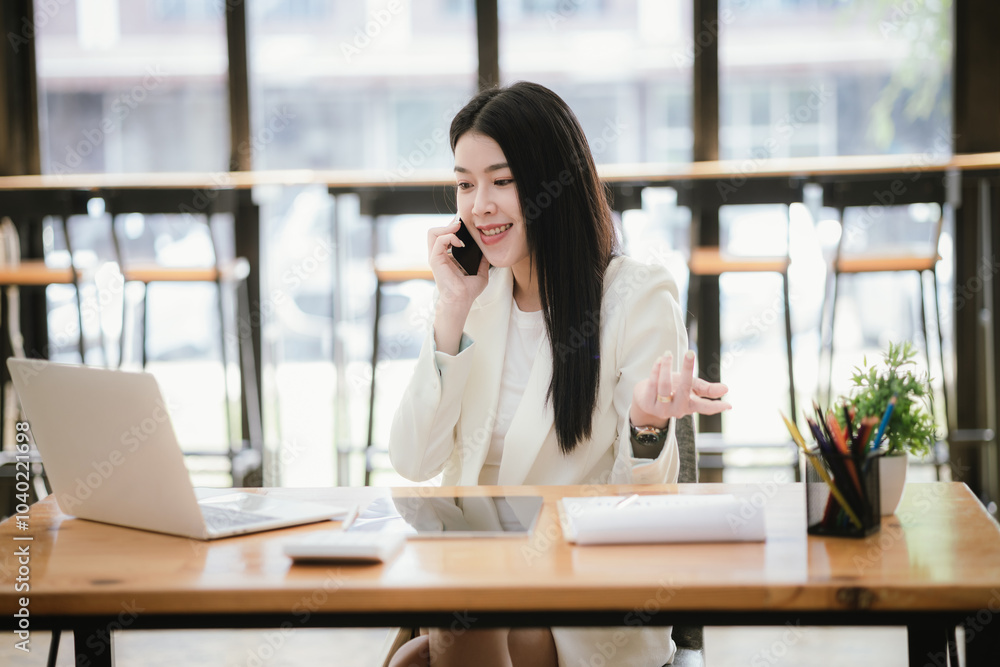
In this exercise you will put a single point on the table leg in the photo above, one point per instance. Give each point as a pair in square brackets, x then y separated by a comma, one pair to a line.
[94, 646]
[928, 644]
[982, 639]
[53, 648]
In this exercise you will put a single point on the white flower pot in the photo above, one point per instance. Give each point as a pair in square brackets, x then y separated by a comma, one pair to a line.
[891, 480]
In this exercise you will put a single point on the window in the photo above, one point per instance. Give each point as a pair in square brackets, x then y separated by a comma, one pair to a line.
[186, 10]
[362, 86]
[623, 66]
[834, 77]
[132, 87]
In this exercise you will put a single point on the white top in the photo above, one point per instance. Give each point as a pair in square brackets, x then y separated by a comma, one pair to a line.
[523, 338]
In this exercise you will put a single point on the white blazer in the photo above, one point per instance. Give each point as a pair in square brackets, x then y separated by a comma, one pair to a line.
[445, 420]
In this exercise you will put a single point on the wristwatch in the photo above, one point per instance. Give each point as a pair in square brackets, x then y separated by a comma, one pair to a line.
[647, 441]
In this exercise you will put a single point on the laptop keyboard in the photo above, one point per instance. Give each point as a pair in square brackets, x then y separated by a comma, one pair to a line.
[219, 519]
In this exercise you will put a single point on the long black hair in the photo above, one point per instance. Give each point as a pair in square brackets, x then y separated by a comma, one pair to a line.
[570, 234]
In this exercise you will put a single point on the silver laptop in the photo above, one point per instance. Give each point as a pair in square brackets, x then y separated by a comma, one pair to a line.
[111, 455]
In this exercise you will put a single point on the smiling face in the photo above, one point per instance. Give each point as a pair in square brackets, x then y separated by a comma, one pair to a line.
[488, 202]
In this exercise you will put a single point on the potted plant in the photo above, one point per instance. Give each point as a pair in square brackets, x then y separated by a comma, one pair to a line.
[910, 429]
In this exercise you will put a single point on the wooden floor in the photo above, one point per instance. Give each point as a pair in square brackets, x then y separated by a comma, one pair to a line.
[724, 647]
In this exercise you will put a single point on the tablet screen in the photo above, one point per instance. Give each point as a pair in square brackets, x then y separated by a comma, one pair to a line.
[472, 516]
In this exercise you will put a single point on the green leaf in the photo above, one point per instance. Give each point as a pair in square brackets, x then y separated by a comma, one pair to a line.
[911, 427]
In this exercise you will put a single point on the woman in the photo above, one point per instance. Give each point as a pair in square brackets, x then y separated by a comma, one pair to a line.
[553, 364]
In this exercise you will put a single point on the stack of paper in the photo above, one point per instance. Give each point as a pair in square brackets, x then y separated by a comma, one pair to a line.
[661, 518]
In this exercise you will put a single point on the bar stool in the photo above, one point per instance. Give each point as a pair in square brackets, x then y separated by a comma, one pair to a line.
[875, 196]
[229, 277]
[713, 261]
[14, 274]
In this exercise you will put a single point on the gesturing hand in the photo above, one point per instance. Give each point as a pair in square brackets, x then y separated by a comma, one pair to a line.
[665, 394]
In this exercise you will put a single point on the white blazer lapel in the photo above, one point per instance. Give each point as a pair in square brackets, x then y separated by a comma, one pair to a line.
[532, 423]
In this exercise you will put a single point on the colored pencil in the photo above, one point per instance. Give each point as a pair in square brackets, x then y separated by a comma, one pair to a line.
[821, 471]
[885, 422]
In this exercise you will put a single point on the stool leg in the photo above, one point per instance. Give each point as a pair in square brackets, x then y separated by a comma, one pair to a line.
[688, 314]
[371, 393]
[121, 336]
[76, 284]
[791, 371]
[101, 338]
[833, 318]
[144, 320]
[79, 313]
[927, 354]
[953, 646]
[923, 324]
[225, 370]
[53, 648]
[691, 314]
[248, 368]
[944, 373]
[827, 281]
[788, 346]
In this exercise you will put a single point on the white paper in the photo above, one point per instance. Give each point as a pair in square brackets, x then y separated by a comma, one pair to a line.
[660, 518]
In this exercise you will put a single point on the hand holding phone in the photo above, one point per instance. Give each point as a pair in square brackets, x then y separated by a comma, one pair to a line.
[469, 256]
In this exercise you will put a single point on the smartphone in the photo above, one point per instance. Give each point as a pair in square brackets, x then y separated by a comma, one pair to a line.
[471, 255]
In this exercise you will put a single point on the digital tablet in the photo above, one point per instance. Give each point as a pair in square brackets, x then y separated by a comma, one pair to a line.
[451, 517]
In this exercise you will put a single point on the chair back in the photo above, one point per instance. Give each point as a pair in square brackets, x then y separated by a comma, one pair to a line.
[689, 638]
[880, 214]
[686, 450]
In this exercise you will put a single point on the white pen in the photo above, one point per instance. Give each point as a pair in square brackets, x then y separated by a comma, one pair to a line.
[349, 519]
[627, 501]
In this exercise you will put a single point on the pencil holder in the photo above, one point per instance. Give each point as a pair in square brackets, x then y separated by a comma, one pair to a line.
[836, 481]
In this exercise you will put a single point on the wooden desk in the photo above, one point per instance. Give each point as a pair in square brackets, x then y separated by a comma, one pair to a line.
[934, 564]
